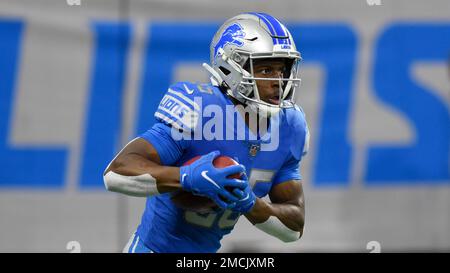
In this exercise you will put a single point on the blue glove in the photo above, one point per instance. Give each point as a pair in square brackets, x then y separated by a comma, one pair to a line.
[202, 178]
[247, 198]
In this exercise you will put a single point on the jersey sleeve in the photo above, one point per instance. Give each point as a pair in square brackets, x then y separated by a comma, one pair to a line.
[176, 118]
[180, 107]
[289, 171]
[169, 149]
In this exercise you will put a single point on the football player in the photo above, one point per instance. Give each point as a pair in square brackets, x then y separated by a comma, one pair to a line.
[253, 65]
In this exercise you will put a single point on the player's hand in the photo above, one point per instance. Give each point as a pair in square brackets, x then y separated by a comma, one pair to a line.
[247, 198]
[202, 178]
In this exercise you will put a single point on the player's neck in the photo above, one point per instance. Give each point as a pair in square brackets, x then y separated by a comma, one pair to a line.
[257, 124]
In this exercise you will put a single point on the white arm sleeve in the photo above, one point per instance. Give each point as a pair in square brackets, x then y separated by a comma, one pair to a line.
[141, 186]
[276, 228]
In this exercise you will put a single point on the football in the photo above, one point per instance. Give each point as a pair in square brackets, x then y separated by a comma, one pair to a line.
[188, 201]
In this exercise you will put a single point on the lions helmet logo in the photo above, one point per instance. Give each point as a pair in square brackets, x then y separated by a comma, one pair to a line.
[232, 35]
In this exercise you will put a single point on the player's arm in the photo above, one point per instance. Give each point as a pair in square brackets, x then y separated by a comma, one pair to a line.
[145, 166]
[137, 171]
[283, 218]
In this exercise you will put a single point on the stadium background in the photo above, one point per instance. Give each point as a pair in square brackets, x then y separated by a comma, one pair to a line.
[79, 82]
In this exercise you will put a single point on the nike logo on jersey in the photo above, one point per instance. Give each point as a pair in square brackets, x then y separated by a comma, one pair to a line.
[189, 91]
[204, 175]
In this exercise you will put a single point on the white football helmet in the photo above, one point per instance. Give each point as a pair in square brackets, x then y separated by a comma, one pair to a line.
[238, 43]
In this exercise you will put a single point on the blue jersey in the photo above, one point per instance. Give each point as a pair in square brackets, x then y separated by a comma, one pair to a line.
[185, 128]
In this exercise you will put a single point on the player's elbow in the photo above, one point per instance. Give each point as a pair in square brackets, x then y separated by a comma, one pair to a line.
[290, 237]
[113, 166]
[293, 235]
[300, 229]
[300, 223]
[290, 240]
[107, 181]
[107, 177]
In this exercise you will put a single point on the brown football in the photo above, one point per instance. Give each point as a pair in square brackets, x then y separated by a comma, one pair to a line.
[186, 200]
